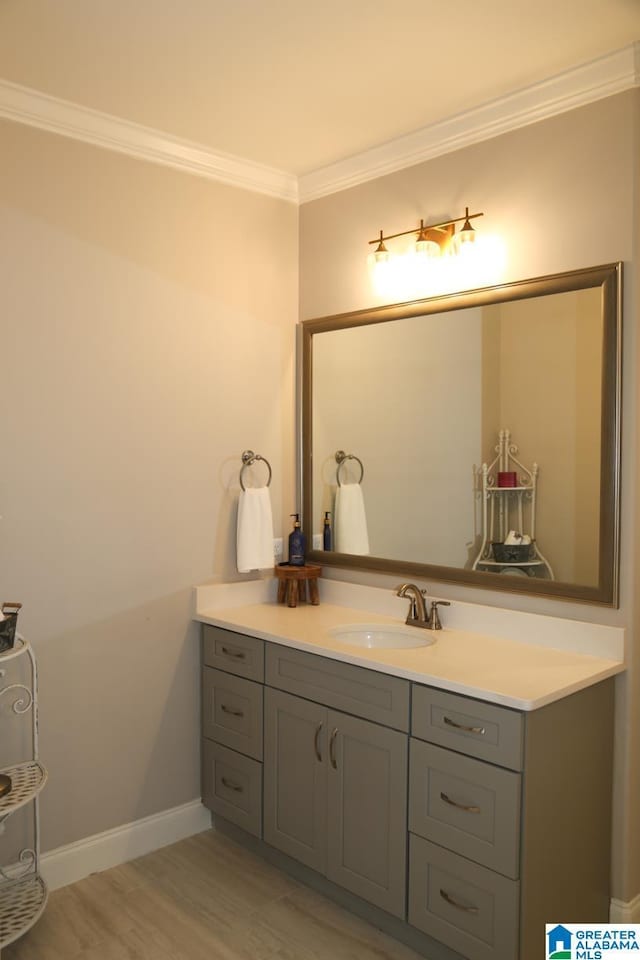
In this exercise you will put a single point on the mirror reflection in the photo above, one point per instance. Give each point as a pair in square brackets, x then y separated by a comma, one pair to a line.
[480, 439]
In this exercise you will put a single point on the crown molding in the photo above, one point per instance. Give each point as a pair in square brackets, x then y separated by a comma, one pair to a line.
[576, 87]
[24, 105]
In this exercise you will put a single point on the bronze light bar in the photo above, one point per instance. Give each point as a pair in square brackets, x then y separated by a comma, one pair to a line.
[440, 233]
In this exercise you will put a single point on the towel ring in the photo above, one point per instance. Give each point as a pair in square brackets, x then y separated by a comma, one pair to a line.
[249, 457]
[341, 456]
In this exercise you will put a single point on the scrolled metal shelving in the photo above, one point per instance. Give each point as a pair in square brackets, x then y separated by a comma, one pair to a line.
[23, 892]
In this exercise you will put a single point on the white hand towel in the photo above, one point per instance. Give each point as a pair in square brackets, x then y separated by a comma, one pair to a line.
[350, 521]
[255, 530]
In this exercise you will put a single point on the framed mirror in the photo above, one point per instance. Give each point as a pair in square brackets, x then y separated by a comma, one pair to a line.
[472, 438]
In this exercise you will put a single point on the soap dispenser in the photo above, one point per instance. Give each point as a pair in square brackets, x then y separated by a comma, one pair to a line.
[326, 533]
[297, 543]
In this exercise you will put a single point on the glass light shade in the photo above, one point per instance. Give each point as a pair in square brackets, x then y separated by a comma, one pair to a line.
[381, 254]
[427, 248]
[467, 234]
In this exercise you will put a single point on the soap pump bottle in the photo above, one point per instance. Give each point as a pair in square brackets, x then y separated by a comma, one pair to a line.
[297, 543]
[326, 533]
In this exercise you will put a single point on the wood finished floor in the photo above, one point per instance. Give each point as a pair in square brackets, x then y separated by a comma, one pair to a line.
[201, 899]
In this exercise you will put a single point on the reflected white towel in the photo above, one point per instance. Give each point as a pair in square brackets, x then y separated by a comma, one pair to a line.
[350, 521]
[254, 541]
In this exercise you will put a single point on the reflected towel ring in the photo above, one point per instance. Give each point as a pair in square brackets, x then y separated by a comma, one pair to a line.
[249, 457]
[341, 456]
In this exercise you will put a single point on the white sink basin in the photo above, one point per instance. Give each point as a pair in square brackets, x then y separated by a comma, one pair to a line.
[381, 636]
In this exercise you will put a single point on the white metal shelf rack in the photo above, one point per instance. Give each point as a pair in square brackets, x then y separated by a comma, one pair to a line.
[509, 508]
[23, 892]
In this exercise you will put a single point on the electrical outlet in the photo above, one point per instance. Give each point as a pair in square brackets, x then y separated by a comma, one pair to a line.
[278, 549]
[317, 541]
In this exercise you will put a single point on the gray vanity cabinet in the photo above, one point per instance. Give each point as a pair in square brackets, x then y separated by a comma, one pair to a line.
[367, 807]
[335, 796]
[232, 713]
[506, 814]
[510, 819]
[295, 783]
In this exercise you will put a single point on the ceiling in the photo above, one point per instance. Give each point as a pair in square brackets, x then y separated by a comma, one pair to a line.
[295, 84]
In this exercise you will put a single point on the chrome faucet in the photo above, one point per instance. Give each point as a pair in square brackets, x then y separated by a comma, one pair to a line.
[418, 616]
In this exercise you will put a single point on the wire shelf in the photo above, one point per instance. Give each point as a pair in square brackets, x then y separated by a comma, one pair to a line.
[27, 780]
[21, 903]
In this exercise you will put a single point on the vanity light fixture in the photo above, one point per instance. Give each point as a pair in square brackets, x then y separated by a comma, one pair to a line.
[433, 239]
[467, 233]
[380, 254]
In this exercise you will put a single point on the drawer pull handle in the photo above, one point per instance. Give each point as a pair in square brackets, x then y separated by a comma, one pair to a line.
[454, 903]
[229, 710]
[237, 655]
[230, 785]
[460, 806]
[316, 743]
[332, 748]
[461, 726]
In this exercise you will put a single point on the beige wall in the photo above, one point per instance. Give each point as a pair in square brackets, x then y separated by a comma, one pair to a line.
[147, 340]
[561, 193]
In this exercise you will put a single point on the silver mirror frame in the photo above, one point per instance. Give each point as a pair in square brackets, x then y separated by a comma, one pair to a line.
[608, 278]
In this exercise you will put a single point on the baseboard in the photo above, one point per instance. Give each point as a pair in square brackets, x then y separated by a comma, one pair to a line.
[74, 861]
[77, 860]
[621, 911]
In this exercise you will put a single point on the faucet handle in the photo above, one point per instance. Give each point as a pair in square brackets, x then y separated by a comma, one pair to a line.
[434, 616]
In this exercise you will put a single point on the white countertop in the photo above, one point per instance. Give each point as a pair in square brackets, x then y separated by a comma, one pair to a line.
[493, 668]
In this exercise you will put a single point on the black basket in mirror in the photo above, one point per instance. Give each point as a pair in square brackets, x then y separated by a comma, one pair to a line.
[8, 625]
[512, 552]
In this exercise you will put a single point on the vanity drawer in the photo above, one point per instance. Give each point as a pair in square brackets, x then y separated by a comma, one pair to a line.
[467, 805]
[232, 711]
[232, 786]
[471, 909]
[470, 726]
[233, 652]
[356, 690]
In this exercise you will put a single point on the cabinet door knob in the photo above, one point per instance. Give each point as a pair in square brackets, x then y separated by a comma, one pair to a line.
[316, 742]
[460, 806]
[332, 748]
[461, 726]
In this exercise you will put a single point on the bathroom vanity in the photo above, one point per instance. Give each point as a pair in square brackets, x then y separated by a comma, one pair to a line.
[457, 816]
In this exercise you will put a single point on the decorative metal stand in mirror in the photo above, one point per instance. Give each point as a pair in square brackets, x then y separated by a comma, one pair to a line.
[421, 390]
[508, 510]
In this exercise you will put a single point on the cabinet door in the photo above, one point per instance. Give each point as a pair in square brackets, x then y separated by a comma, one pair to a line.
[367, 803]
[295, 777]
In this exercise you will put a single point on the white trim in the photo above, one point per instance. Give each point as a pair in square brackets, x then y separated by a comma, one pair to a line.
[574, 88]
[24, 105]
[625, 912]
[77, 860]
